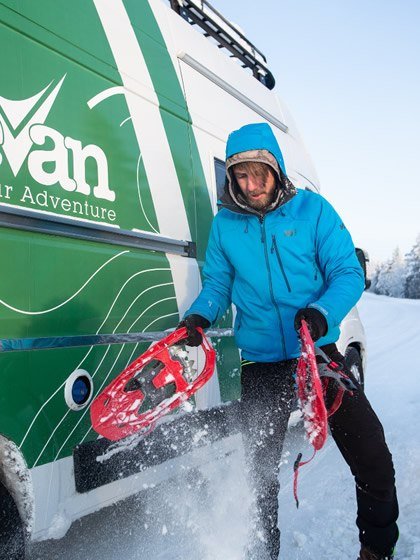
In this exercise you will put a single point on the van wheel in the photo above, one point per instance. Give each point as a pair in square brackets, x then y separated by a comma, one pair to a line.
[355, 365]
[12, 533]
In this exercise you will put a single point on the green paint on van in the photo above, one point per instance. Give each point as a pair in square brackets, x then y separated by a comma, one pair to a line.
[57, 60]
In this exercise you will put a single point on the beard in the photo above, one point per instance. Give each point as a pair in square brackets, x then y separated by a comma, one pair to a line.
[261, 202]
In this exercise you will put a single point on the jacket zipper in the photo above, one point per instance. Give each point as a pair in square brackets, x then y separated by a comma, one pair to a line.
[270, 282]
[275, 249]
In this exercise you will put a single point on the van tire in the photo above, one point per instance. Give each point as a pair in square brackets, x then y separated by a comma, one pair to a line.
[355, 365]
[12, 532]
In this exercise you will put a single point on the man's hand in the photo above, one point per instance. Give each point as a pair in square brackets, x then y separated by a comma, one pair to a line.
[191, 322]
[316, 321]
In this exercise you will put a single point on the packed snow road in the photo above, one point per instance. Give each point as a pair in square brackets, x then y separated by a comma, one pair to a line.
[201, 514]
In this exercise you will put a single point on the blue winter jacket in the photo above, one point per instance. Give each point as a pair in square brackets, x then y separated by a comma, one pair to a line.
[298, 255]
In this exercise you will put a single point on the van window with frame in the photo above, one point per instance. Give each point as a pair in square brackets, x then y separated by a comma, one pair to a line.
[220, 174]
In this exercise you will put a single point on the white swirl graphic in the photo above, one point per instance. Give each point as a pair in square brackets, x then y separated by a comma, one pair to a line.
[91, 348]
[24, 312]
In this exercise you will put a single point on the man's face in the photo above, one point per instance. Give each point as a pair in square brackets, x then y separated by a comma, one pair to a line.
[257, 183]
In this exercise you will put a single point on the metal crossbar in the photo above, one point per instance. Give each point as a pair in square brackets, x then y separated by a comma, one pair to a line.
[214, 25]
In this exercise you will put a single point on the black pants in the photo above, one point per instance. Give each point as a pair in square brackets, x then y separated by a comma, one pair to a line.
[268, 395]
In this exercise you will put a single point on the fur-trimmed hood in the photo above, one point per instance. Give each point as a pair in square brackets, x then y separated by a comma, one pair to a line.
[255, 142]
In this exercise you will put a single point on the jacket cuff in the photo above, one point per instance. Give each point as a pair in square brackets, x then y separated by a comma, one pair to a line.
[325, 313]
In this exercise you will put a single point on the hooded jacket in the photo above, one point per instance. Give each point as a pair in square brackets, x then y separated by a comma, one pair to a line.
[297, 254]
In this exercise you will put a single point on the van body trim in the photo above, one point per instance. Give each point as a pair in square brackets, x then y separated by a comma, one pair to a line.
[55, 342]
[28, 220]
[231, 90]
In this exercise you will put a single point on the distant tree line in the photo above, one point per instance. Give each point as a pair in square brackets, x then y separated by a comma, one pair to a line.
[399, 276]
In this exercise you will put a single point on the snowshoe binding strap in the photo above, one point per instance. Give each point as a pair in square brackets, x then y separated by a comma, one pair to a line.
[153, 385]
[296, 466]
[330, 370]
[333, 370]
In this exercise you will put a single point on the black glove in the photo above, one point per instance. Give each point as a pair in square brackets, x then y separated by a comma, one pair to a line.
[191, 322]
[316, 321]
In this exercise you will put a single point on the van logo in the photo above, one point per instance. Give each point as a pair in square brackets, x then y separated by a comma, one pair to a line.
[23, 133]
[290, 232]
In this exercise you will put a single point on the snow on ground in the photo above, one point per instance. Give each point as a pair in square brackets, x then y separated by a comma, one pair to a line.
[202, 514]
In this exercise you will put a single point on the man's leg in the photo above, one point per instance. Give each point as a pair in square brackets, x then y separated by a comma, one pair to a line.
[360, 437]
[266, 401]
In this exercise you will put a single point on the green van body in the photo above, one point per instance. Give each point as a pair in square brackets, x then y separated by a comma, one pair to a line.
[113, 120]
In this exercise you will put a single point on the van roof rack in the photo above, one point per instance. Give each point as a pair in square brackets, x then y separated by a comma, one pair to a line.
[226, 35]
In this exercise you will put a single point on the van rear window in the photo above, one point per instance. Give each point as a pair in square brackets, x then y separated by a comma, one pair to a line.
[220, 172]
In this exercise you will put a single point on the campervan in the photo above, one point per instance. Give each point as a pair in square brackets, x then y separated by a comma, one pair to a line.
[113, 121]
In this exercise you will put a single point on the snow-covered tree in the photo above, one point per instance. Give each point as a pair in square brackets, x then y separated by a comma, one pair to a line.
[397, 277]
[391, 280]
[412, 282]
[389, 277]
[375, 278]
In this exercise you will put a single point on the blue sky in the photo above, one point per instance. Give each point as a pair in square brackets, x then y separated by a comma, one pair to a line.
[350, 73]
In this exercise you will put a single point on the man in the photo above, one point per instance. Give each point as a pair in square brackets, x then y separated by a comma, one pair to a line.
[282, 255]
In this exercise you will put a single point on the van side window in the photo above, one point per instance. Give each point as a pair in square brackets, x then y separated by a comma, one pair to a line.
[220, 172]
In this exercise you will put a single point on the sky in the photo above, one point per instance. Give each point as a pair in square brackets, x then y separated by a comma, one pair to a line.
[349, 71]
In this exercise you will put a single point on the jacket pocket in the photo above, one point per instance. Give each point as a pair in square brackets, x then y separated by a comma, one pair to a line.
[275, 250]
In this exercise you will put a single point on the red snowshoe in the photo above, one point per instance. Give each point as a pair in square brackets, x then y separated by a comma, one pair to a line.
[153, 385]
[314, 371]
